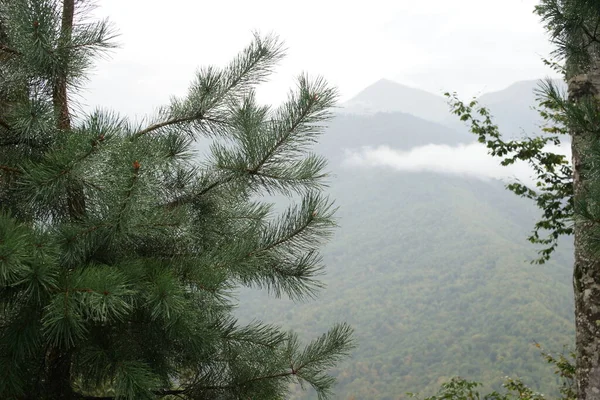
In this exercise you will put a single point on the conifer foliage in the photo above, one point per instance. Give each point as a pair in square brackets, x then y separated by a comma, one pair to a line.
[120, 246]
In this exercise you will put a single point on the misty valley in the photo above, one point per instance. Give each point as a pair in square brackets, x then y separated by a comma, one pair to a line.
[430, 266]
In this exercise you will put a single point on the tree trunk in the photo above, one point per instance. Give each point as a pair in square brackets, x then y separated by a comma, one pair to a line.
[60, 98]
[586, 273]
[57, 382]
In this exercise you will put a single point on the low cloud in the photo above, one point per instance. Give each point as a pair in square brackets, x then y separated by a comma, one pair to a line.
[470, 160]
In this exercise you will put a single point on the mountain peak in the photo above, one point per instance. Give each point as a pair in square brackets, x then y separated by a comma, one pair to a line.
[391, 87]
[389, 96]
[385, 82]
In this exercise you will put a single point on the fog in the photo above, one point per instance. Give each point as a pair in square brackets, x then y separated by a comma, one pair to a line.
[470, 160]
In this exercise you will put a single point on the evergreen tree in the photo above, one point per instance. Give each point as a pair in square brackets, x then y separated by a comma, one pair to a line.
[120, 249]
[567, 194]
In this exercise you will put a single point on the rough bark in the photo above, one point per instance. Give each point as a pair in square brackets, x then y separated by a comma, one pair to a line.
[60, 98]
[586, 273]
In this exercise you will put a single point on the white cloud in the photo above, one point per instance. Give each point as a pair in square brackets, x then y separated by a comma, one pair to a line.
[467, 160]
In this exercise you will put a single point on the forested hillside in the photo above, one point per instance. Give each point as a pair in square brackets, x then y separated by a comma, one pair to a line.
[431, 269]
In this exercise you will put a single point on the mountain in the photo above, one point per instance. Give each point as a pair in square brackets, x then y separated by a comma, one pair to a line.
[512, 108]
[398, 130]
[431, 269]
[388, 96]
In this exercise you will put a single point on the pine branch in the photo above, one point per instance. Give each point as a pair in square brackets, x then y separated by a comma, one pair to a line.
[279, 181]
[158, 393]
[291, 235]
[274, 151]
[318, 355]
[188, 198]
[301, 226]
[283, 139]
[161, 393]
[92, 38]
[175, 121]
[591, 36]
[250, 67]
[88, 231]
[75, 194]
[292, 371]
[17, 142]
[243, 383]
[284, 178]
[128, 195]
[7, 49]
[264, 176]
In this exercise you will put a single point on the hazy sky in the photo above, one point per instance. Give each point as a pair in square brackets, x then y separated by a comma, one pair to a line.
[465, 45]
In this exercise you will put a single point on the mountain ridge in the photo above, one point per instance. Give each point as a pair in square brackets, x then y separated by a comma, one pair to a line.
[512, 107]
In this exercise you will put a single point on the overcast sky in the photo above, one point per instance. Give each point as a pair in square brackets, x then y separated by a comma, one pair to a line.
[470, 46]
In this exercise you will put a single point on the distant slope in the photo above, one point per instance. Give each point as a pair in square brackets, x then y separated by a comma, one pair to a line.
[513, 108]
[397, 130]
[432, 271]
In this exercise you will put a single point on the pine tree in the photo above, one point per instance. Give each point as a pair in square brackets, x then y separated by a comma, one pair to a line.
[566, 194]
[120, 248]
